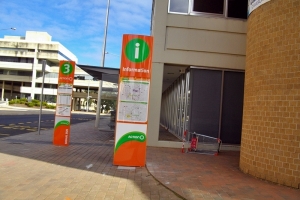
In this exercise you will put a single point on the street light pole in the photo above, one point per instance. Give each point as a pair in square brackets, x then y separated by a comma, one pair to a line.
[88, 97]
[44, 63]
[103, 62]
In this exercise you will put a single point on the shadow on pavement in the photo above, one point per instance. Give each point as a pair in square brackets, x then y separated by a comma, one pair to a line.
[31, 167]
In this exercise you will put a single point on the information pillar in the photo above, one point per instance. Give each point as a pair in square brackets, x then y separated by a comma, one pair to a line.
[132, 110]
[61, 134]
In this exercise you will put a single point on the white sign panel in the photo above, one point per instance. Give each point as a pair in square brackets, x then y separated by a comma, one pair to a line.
[64, 99]
[65, 88]
[63, 111]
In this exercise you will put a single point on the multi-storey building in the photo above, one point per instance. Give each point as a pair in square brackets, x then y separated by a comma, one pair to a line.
[206, 79]
[198, 69]
[21, 70]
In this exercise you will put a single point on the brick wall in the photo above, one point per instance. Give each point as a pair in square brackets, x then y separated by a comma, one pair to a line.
[270, 147]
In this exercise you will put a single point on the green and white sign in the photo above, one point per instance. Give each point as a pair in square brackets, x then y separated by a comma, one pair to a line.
[137, 50]
[66, 68]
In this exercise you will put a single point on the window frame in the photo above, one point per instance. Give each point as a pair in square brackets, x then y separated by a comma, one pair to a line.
[195, 13]
[191, 5]
[180, 13]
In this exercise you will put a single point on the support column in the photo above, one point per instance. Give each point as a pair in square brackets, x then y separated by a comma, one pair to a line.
[155, 104]
[11, 90]
[3, 90]
[77, 104]
[79, 108]
[34, 66]
[73, 104]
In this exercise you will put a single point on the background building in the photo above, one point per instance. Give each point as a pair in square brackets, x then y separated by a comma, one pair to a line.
[21, 65]
[21, 70]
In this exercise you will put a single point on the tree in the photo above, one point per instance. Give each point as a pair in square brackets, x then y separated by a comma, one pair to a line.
[110, 104]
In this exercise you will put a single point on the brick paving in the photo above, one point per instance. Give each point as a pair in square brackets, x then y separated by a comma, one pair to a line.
[200, 176]
[32, 168]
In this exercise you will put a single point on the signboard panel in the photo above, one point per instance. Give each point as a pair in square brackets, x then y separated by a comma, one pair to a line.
[61, 135]
[132, 111]
[253, 4]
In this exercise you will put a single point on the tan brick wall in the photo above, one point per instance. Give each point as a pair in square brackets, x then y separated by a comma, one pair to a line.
[270, 147]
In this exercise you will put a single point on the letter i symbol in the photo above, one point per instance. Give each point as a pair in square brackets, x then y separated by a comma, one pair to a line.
[137, 49]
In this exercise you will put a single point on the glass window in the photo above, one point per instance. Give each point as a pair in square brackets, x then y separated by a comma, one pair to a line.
[13, 72]
[209, 6]
[237, 8]
[26, 84]
[24, 73]
[179, 6]
[226, 8]
[9, 59]
[50, 75]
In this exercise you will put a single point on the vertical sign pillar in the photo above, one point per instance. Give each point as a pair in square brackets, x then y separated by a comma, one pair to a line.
[132, 111]
[61, 134]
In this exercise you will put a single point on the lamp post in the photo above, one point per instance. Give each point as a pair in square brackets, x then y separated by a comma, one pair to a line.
[88, 97]
[103, 62]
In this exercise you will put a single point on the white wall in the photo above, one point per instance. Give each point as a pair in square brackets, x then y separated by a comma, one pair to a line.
[198, 40]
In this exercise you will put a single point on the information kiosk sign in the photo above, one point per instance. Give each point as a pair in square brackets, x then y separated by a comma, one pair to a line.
[61, 135]
[132, 111]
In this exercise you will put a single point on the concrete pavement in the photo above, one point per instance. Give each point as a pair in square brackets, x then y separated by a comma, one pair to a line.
[32, 168]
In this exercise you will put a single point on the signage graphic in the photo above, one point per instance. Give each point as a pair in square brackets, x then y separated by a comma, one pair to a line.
[61, 134]
[253, 4]
[132, 111]
[130, 145]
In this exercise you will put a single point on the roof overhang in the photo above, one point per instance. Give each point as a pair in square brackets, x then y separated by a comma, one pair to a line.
[102, 73]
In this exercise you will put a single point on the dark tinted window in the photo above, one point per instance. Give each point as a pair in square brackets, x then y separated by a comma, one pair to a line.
[237, 8]
[209, 6]
[24, 73]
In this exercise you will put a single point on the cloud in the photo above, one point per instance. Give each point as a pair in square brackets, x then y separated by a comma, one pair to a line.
[78, 25]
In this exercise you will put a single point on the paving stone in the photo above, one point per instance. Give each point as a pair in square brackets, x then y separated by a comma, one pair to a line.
[32, 168]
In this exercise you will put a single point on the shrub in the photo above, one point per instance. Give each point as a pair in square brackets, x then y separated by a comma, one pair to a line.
[12, 102]
[50, 106]
[23, 101]
[35, 101]
[29, 104]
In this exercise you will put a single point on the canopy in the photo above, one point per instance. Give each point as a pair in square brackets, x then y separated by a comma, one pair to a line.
[102, 73]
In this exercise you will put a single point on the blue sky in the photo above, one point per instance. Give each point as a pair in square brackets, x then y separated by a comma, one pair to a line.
[79, 24]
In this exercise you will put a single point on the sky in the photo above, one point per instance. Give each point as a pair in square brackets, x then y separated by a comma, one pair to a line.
[79, 24]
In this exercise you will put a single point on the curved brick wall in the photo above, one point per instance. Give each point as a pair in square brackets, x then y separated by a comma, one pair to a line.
[270, 147]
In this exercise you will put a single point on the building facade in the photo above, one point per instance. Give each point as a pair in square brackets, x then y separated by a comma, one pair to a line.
[21, 65]
[21, 70]
[198, 69]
